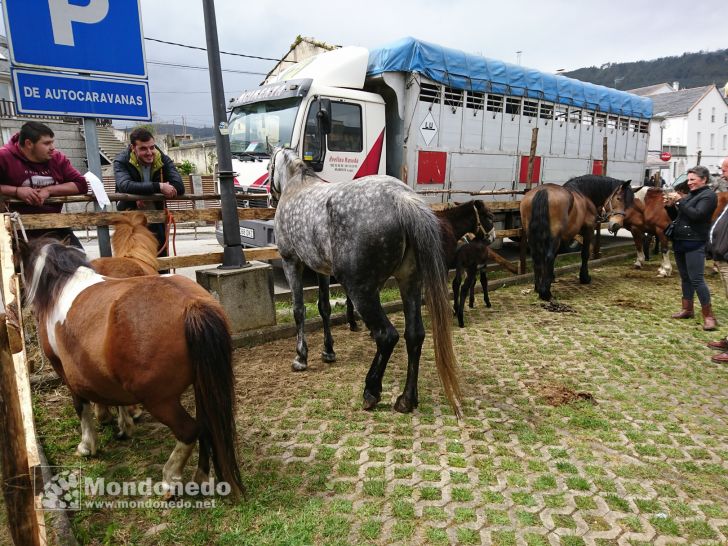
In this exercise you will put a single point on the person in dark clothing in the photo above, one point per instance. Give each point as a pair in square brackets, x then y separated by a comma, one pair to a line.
[719, 246]
[32, 170]
[691, 215]
[144, 170]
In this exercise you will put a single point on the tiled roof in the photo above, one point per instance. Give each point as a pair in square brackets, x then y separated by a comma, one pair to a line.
[648, 90]
[680, 102]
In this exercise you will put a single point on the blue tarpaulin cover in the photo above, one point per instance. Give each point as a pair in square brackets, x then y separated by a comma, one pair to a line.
[461, 70]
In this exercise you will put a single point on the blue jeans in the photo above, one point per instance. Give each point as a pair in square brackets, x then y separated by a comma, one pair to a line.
[691, 265]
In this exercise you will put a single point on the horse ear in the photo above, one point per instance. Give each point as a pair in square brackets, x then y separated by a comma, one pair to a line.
[626, 183]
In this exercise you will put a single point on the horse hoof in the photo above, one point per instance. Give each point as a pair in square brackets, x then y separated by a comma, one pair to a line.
[488, 305]
[585, 280]
[403, 405]
[136, 412]
[328, 357]
[299, 366]
[370, 401]
[354, 327]
[85, 451]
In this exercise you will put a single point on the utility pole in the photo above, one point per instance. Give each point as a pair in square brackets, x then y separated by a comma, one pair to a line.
[233, 257]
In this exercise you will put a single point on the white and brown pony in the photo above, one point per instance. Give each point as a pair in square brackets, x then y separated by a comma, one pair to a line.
[143, 340]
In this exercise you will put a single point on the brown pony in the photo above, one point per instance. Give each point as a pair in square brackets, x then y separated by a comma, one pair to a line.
[104, 340]
[643, 212]
[135, 255]
[552, 214]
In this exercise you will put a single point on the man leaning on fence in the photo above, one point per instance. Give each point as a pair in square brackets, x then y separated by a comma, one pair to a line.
[144, 170]
[719, 248]
[32, 170]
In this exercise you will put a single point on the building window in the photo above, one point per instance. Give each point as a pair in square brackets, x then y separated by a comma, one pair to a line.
[725, 118]
[513, 106]
[699, 135]
[712, 115]
[700, 114]
[712, 141]
[725, 141]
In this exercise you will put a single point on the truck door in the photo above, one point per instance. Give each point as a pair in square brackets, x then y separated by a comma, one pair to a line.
[338, 155]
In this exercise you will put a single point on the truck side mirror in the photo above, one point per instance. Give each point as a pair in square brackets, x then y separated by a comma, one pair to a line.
[324, 116]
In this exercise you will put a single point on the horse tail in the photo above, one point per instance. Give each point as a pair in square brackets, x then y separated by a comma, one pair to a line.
[210, 349]
[132, 239]
[540, 239]
[423, 233]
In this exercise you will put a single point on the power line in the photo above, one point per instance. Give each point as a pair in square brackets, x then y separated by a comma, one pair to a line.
[222, 52]
[193, 67]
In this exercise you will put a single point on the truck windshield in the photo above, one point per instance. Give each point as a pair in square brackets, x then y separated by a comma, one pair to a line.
[257, 127]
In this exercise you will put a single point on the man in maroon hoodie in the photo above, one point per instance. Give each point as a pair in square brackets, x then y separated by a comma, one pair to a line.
[32, 170]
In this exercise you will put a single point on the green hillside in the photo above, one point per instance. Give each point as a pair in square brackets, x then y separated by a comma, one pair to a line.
[690, 69]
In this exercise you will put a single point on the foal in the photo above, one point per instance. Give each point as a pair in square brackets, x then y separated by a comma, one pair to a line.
[471, 257]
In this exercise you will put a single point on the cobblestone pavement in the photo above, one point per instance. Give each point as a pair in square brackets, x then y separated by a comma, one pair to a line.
[605, 425]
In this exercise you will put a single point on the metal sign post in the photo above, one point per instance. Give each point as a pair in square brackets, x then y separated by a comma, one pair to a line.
[233, 257]
[94, 165]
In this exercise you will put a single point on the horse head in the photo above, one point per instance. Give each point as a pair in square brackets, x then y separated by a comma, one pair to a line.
[616, 205]
[484, 220]
[284, 163]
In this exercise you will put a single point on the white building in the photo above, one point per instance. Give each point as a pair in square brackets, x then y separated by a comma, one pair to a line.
[688, 123]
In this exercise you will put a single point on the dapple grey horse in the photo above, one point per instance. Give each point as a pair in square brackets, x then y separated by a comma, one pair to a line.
[362, 232]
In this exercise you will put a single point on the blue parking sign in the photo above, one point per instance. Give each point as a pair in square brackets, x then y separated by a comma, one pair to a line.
[39, 92]
[94, 36]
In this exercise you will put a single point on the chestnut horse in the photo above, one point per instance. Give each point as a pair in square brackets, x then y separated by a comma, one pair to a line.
[135, 255]
[134, 246]
[644, 212]
[141, 340]
[362, 232]
[552, 214]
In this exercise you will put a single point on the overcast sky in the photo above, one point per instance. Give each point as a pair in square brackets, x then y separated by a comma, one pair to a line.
[552, 34]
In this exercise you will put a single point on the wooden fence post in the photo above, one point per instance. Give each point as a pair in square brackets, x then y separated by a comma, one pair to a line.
[20, 458]
[532, 156]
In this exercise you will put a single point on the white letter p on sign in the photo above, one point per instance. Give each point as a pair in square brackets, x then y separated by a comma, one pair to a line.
[63, 14]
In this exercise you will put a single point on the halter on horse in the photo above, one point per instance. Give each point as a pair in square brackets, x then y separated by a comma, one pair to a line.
[364, 231]
[138, 340]
[551, 214]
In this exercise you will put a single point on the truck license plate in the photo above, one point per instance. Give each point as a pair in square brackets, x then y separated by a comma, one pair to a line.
[247, 232]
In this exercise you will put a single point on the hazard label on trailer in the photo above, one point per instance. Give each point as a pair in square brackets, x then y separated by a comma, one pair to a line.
[428, 129]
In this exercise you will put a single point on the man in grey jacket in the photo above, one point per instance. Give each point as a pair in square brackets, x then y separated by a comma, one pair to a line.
[719, 246]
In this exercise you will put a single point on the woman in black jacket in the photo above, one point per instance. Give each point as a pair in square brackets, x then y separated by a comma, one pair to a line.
[691, 215]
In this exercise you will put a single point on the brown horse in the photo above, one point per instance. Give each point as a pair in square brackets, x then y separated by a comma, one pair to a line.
[643, 212]
[552, 214]
[135, 249]
[135, 255]
[471, 257]
[104, 340]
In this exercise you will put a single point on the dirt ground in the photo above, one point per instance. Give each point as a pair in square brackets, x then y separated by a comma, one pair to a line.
[598, 421]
